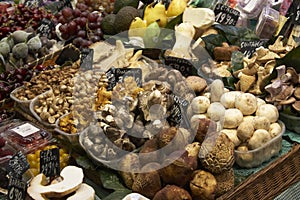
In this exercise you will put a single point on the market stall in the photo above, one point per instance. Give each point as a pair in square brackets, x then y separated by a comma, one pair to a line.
[149, 100]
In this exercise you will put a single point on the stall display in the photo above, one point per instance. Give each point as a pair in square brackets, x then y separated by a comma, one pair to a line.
[149, 100]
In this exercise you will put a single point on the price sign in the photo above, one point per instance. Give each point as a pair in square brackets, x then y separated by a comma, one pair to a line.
[49, 162]
[57, 6]
[86, 60]
[45, 28]
[115, 75]
[16, 189]
[183, 65]
[249, 47]
[226, 15]
[32, 3]
[177, 112]
[297, 15]
[67, 54]
[17, 165]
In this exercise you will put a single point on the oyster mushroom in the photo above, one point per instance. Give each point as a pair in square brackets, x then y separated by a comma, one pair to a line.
[278, 47]
[290, 76]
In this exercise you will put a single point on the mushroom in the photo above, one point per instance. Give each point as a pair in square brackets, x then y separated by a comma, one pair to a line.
[296, 106]
[269, 111]
[261, 122]
[232, 118]
[216, 111]
[275, 129]
[290, 76]
[172, 192]
[246, 81]
[228, 99]
[297, 93]
[200, 104]
[246, 103]
[278, 47]
[232, 134]
[85, 192]
[216, 90]
[259, 138]
[72, 179]
[245, 131]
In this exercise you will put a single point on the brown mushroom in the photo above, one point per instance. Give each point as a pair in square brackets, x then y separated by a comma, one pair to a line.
[297, 93]
[296, 106]
[288, 101]
[278, 47]
[291, 75]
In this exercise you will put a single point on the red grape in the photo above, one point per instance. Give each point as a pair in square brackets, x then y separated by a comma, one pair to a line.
[63, 28]
[92, 17]
[81, 33]
[67, 12]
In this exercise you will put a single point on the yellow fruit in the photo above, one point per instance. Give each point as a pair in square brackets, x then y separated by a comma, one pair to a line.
[156, 13]
[176, 7]
[34, 171]
[137, 27]
[31, 157]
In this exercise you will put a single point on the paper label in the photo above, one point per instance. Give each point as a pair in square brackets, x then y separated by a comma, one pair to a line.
[25, 130]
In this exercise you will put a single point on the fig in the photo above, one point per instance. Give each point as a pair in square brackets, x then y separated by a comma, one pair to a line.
[9, 40]
[203, 185]
[4, 49]
[172, 192]
[34, 44]
[20, 36]
[20, 50]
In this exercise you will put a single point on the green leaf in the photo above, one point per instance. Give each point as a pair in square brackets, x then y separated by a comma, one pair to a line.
[110, 180]
[85, 162]
[291, 59]
[229, 82]
[171, 24]
[118, 195]
[213, 40]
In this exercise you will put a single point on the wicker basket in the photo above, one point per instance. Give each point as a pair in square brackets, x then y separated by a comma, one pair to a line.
[270, 181]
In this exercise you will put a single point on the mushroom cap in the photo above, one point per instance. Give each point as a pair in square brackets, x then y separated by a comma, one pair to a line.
[296, 106]
[196, 83]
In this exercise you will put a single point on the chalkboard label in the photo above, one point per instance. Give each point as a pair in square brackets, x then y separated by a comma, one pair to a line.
[57, 6]
[67, 54]
[45, 28]
[226, 15]
[183, 65]
[178, 112]
[16, 189]
[49, 162]
[86, 59]
[32, 3]
[115, 75]
[17, 165]
[296, 19]
[249, 47]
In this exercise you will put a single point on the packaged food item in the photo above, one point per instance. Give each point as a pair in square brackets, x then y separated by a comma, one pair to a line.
[25, 136]
[252, 8]
[267, 23]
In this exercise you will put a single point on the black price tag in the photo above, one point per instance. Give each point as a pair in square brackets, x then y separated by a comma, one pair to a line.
[32, 3]
[45, 28]
[49, 162]
[115, 75]
[183, 65]
[86, 59]
[226, 15]
[57, 6]
[122, 73]
[16, 189]
[178, 112]
[68, 54]
[17, 165]
[110, 75]
[249, 47]
[296, 18]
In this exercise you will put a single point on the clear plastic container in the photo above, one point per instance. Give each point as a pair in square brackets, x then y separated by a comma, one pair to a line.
[256, 157]
[267, 23]
[251, 8]
[25, 136]
[291, 122]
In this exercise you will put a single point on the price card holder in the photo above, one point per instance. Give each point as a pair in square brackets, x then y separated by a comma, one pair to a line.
[45, 28]
[115, 75]
[226, 15]
[16, 189]
[183, 65]
[17, 165]
[178, 112]
[49, 162]
[86, 59]
[32, 3]
[249, 47]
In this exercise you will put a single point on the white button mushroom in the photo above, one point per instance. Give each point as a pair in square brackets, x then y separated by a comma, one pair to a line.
[216, 111]
[233, 118]
[269, 111]
[246, 103]
[228, 99]
[245, 131]
[200, 104]
[259, 138]
[232, 134]
[275, 129]
[216, 90]
[260, 102]
[261, 122]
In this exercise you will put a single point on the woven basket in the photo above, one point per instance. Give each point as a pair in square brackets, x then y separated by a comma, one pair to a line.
[270, 181]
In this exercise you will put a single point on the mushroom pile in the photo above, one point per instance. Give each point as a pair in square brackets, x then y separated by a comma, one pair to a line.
[247, 120]
[284, 91]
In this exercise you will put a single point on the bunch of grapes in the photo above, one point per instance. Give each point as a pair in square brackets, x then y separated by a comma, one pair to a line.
[80, 24]
[104, 5]
[19, 17]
